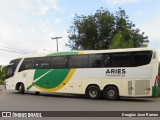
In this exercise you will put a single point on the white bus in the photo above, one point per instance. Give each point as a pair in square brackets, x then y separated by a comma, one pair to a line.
[96, 73]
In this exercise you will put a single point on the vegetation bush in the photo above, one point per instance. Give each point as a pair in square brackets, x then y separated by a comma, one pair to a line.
[2, 76]
[1, 82]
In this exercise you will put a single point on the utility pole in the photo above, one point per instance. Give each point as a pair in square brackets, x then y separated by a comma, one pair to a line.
[56, 38]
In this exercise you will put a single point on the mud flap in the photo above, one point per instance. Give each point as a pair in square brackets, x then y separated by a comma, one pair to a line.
[155, 91]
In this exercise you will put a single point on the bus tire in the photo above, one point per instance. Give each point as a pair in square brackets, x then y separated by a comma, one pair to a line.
[21, 88]
[111, 93]
[37, 93]
[93, 92]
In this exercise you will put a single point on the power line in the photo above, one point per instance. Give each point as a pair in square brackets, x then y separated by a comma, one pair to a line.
[12, 51]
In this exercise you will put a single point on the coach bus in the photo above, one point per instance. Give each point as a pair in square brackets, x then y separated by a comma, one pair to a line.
[108, 73]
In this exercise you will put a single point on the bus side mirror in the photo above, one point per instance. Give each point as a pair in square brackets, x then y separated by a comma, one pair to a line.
[2, 68]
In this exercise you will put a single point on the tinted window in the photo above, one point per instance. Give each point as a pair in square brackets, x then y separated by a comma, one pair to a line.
[10, 72]
[99, 60]
[42, 63]
[27, 63]
[78, 61]
[59, 62]
[141, 58]
[121, 60]
[15, 64]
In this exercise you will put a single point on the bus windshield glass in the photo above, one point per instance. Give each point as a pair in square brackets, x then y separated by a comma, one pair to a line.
[12, 67]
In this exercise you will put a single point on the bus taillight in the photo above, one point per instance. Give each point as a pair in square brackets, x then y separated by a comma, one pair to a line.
[156, 81]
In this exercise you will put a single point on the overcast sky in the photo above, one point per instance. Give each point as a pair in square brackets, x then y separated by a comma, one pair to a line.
[28, 25]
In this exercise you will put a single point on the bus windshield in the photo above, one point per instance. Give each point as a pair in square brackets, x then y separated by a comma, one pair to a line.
[12, 67]
[10, 71]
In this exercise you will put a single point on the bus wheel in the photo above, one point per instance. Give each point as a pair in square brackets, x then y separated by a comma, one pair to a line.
[37, 93]
[21, 88]
[93, 92]
[111, 93]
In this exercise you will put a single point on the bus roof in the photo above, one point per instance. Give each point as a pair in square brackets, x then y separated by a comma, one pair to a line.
[85, 52]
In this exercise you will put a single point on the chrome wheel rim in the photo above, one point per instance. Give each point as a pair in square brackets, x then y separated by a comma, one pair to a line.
[93, 93]
[111, 93]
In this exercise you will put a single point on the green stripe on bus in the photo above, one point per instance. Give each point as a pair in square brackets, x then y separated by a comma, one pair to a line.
[52, 79]
[63, 53]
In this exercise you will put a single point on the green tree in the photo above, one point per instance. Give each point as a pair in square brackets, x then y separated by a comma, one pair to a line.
[119, 42]
[131, 35]
[0, 73]
[102, 31]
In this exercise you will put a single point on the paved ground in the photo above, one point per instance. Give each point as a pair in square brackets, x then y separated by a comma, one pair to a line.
[12, 101]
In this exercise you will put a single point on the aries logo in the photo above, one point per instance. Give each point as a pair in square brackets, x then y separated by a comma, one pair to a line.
[116, 72]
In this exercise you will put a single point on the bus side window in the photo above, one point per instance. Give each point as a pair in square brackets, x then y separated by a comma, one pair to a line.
[121, 60]
[59, 62]
[142, 58]
[99, 60]
[78, 61]
[28, 63]
[42, 63]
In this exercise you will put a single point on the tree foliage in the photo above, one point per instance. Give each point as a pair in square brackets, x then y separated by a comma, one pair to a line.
[2, 74]
[105, 30]
[120, 42]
